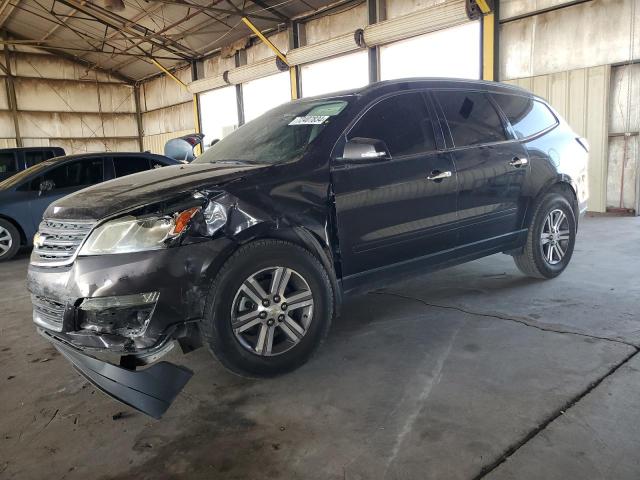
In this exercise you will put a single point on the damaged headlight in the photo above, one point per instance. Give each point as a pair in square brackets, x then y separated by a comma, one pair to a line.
[132, 234]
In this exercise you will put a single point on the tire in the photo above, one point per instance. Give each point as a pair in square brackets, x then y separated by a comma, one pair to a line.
[233, 297]
[535, 260]
[9, 240]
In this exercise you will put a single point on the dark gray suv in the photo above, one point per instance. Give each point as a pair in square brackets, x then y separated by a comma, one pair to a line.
[250, 249]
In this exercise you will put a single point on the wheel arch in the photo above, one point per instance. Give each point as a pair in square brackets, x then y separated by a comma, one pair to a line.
[563, 185]
[297, 235]
[23, 235]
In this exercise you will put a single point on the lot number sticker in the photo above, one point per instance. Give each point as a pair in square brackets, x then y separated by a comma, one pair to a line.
[309, 120]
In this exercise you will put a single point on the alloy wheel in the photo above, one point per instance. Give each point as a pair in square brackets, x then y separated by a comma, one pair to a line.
[272, 311]
[555, 236]
[5, 241]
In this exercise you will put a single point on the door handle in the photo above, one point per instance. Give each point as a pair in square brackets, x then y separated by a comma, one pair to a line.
[438, 176]
[518, 162]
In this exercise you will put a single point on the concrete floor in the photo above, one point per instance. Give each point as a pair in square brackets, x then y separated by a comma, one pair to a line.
[470, 372]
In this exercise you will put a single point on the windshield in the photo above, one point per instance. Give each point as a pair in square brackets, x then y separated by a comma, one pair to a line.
[278, 136]
[24, 174]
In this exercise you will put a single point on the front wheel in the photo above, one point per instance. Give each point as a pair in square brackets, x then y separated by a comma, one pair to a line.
[550, 239]
[269, 309]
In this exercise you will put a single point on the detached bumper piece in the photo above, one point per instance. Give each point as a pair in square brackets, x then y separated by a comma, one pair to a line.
[151, 391]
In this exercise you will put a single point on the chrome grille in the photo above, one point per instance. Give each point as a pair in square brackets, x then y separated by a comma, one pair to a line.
[59, 240]
[48, 313]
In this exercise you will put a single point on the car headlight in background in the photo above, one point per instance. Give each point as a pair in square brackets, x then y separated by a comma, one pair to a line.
[131, 234]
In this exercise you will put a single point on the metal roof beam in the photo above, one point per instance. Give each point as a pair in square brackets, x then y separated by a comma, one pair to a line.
[6, 9]
[76, 59]
[236, 12]
[145, 34]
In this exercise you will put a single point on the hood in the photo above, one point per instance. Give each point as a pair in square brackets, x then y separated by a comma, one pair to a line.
[122, 194]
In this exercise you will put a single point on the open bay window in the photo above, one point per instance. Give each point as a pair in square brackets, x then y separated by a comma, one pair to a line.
[339, 73]
[219, 113]
[264, 94]
[453, 52]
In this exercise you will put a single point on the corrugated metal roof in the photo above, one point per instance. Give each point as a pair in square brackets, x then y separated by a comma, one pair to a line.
[173, 32]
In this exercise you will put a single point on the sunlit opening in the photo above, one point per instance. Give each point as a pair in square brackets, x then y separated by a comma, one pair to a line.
[339, 73]
[454, 52]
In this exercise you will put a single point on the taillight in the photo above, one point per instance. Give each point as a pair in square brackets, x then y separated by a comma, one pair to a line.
[584, 143]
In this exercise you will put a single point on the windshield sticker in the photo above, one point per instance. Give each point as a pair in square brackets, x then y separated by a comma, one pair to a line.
[309, 120]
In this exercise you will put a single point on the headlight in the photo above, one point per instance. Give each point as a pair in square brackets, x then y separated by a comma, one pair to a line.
[131, 234]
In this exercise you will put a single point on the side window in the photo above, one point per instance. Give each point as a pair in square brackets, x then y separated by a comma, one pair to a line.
[81, 173]
[401, 121]
[156, 164]
[526, 115]
[128, 165]
[8, 163]
[471, 117]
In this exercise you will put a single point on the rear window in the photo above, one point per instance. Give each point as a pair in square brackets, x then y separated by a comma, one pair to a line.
[472, 118]
[527, 116]
[128, 165]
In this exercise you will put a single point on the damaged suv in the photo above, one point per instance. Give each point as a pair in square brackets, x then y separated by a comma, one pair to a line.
[249, 249]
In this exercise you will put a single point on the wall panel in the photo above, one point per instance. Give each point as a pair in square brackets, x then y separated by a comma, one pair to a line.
[598, 32]
[581, 97]
[155, 143]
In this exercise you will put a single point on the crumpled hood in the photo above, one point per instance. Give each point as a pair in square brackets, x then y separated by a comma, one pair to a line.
[121, 194]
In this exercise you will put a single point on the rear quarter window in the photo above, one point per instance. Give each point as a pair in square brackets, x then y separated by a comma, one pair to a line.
[527, 116]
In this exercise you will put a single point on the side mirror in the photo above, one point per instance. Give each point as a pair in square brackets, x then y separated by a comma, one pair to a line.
[45, 186]
[365, 150]
[214, 141]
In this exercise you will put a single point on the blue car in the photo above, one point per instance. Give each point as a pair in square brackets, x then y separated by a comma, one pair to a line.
[25, 196]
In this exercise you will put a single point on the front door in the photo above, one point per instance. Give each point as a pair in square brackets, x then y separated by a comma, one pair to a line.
[60, 181]
[492, 168]
[401, 208]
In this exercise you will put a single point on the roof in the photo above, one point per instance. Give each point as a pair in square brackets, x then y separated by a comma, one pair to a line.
[427, 82]
[123, 42]
[77, 156]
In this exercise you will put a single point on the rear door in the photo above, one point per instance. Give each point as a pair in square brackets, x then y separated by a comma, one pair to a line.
[492, 167]
[63, 179]
[388, 211]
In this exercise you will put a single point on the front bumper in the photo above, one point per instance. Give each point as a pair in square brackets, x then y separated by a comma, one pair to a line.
[178, 279]
[150, 391]
[179, 276]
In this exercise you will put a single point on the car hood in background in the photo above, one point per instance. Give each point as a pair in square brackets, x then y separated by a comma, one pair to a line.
[121, 194]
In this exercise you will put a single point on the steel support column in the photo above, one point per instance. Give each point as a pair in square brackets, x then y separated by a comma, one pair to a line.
[197, 111]
[136, 93]
[11, 95]
[374, 16]
[241, 59]
[295, 29]
[490, 36]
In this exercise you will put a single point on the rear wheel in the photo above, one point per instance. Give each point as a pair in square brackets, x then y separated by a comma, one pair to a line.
[550, 239]
[269, 309]
[9, 240]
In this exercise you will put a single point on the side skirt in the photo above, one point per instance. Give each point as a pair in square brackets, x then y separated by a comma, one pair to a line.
[384, 276]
